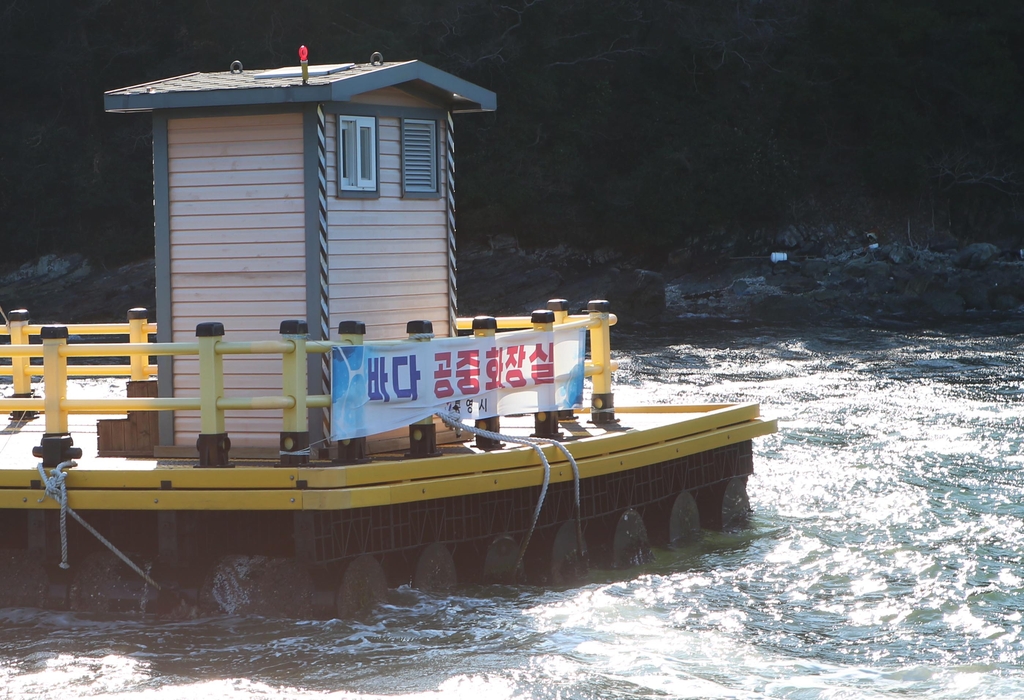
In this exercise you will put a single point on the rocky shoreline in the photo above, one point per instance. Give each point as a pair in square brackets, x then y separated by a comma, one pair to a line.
[865, 282]
[891, 282]
[71, 289]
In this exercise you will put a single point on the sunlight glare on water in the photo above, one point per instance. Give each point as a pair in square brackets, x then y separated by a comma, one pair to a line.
[883, 560]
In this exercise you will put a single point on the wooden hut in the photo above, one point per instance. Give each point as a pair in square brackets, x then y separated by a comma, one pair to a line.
[278, 198]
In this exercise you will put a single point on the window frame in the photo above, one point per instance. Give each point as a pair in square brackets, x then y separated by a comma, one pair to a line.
[362, 188]
[435, 193]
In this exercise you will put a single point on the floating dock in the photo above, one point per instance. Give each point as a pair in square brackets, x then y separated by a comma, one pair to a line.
[282, 447]
[227, 536]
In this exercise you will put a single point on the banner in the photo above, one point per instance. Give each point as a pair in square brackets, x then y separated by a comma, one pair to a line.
[376, 388]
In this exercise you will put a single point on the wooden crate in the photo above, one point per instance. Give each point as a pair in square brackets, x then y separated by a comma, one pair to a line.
[134, 436]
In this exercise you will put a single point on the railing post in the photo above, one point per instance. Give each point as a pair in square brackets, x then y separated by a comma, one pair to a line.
[422, 434]
[561, 309]
[136, 334]
[545, 423]
[17, 320]
[486, 327]
[353, 450]
[602, 402]
[56, 444]
[55, 378]
[295, 428]
[213, 443]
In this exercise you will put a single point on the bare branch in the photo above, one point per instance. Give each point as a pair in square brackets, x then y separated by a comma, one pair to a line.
[497, 48]
[603, 56]
[960, 167]
[519, 17]
[9, 11]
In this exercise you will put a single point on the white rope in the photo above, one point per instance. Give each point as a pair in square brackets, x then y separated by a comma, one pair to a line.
[12, 429]
[305, 451]
[57, 489]
[454, 420]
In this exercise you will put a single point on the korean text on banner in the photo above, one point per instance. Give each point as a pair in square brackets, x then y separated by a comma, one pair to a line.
[376, 388]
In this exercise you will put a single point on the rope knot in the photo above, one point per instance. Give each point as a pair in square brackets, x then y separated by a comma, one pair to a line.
[55, 487]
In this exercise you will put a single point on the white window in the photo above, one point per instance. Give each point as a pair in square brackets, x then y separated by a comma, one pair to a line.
[357, 153]
[419, 156]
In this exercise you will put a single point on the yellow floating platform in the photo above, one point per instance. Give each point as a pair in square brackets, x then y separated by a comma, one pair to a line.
[643, 436]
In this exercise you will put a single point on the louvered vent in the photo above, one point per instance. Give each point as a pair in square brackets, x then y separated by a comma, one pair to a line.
[419, 155]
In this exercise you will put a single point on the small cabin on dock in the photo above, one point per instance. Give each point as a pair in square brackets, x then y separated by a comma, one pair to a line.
[277, 197]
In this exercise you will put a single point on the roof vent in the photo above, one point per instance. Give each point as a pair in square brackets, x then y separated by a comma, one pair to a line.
[296, 71]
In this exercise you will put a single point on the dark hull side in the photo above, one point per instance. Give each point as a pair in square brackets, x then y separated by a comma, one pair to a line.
[180, 548]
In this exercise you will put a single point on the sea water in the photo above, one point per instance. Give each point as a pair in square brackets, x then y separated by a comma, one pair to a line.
[883, 559]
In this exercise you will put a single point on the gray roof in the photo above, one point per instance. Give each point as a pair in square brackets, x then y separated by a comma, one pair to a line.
[247, 88]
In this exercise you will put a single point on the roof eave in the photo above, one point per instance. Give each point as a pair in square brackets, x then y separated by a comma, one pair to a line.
[147, 102]
[461, 95]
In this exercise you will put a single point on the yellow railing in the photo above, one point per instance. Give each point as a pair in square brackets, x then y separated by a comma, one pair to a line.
[598, 322]
[293, 347]
[20, 331]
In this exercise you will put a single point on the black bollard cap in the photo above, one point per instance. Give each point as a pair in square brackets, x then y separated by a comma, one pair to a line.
[18, 315]
[352, 328]
[542, 316]
[485, 323]
[421, 326]
[52, 332]
[210, 329]
[137, 313]
[558, 304]
[599, 306]
[294, 327]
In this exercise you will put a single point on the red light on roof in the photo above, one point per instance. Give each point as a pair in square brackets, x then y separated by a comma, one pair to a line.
[303, 53]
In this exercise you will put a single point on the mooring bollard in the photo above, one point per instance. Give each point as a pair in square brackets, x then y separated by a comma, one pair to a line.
[353, 450]
[17, 321]
[422, 434]
[486, 327]
[213, 444]
[56, 445]
[602, 403]
[561, 309]
[545, 423]
[294, 444]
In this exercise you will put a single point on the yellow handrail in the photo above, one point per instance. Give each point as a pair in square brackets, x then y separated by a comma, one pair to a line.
[88, 328]
[80, 370]
[293, 347]
[523, 322]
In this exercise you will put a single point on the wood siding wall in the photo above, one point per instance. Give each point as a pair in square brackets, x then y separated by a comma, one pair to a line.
[237, 234]
[388, 256]
[237, 228]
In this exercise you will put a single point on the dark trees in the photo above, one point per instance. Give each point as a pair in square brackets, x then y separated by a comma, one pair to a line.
[649, 123]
